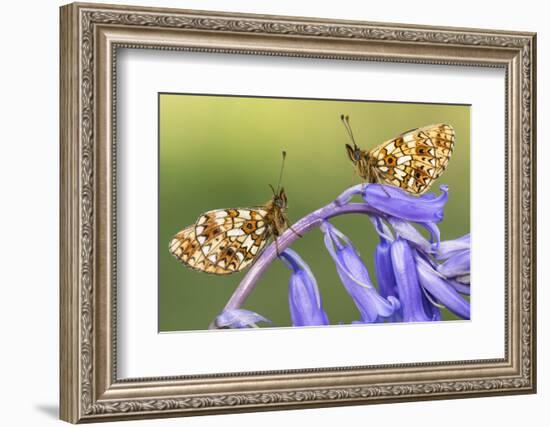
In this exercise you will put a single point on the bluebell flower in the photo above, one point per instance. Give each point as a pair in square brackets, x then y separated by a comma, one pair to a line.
[408, 287]
[395, 202]
[440, 289]
[239, 318]
[414, 281]
[385, 276]
[355, 278]
[463, 288]
[456, 266]
[464, 279]
[421, 288]
[432, 308]
[381, 228]
[408, 232]
[448, 248]
[304, 299]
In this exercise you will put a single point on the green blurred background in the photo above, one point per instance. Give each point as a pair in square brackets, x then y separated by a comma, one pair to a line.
[222, 152]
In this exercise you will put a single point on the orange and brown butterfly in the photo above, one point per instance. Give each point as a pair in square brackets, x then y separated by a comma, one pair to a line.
[225, 241]
[411, 161]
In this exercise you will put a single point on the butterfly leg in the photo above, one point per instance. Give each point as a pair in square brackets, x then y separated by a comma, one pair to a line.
[379, 181]
[294, 231]
[277, 247]
[385, 191]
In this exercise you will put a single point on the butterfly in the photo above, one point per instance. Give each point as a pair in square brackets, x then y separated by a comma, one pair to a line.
[411, 161]
[225, 241]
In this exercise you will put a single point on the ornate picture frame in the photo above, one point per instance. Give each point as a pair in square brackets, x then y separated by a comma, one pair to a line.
[90, 37]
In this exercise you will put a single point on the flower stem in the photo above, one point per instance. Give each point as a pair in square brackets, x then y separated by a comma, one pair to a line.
[299, 228]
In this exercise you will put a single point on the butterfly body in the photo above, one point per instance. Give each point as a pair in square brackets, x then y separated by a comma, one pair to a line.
[276, 213]
[411, 161]
[364, 166]
[226, 241]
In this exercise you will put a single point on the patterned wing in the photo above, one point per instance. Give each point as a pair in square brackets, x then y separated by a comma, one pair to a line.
[184, 247]
[414, 159]
[224, 241]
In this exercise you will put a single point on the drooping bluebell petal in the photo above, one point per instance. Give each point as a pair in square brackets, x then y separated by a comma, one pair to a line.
[239, 318]
[461, 288]
[353, 273]
[408, 287]
[370, 303]
[384, 269]
[441, 290]
[449, 248]
[398, 203]
[432, 310]
[407, 231]
[385, 276]
[456, 265]
[305, 303]
[465, 279]
[332, 242]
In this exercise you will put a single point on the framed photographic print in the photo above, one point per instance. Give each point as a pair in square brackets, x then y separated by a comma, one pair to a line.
[246, 131]
[265, 212]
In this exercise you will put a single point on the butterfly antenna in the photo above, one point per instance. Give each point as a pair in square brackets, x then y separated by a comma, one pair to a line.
[345, 121]
[281, 173]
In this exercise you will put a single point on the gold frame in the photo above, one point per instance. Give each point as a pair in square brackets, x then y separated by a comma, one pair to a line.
[90, 36]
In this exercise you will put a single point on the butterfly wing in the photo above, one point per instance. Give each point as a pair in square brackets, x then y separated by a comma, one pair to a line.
[223, 241]
[414, 159]
[443, 137]
[185, 248]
